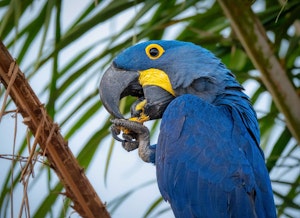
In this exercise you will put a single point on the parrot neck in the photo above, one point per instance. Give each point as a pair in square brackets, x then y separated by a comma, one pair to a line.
[235, 99]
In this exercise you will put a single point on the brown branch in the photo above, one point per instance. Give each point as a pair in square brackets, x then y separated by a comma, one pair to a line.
[78, 188]
[252, 35]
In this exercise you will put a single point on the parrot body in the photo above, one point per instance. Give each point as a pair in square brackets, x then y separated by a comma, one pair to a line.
[208, 160]
[209, 175]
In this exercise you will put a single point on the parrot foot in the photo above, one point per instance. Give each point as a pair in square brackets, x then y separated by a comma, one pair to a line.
[129, 142]
[137, 137]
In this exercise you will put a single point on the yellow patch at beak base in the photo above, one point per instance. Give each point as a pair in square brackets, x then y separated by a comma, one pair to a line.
[156, 77]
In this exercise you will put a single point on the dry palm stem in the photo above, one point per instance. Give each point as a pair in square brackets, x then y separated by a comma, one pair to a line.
[77, 186]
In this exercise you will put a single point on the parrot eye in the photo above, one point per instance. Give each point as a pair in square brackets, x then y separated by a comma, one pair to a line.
[154, 51]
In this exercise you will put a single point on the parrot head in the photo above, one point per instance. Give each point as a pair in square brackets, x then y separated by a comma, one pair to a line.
[158, 71]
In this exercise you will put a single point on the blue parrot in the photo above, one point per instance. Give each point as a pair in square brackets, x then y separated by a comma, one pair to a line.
[208, 159]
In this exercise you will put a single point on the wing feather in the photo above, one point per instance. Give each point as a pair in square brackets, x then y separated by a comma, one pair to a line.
[208, 165]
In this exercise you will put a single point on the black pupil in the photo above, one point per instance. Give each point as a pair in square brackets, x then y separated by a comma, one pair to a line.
[154, 52]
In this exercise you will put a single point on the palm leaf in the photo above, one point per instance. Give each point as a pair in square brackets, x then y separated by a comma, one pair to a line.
[75, 106]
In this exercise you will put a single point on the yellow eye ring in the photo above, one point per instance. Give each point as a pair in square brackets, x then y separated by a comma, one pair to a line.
[154, 51]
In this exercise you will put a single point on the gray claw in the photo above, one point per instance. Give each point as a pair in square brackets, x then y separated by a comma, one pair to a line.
[137, 131]
[115, 130]
[129, 141]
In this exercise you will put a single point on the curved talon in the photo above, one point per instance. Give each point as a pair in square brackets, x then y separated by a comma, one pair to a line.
[115, 132]
[139, 132]
[129, 142]
[115, 129]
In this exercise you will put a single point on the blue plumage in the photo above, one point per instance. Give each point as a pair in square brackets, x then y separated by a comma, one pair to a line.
[208, 165]
[208, 159]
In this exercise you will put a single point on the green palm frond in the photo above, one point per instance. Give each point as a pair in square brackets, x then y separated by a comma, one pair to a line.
[64, 57]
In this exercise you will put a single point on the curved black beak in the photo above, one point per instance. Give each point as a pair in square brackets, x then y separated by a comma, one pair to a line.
[115, 84]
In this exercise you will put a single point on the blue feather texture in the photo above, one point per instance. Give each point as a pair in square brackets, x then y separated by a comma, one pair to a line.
[208, 165]
[208, 159]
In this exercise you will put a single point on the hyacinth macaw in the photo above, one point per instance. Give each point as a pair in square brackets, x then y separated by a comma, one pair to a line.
[208, 159]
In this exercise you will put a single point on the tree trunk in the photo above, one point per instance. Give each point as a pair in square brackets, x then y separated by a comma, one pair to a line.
[77, 186]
